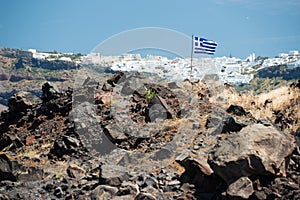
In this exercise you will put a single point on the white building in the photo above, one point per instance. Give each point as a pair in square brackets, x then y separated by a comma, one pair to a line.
[294, 64]
[32, 50]
[130, 57]
[236, 78]
[39, 57]
[65, 59]
[283, 55]
[231, 68]
[251, 57]
[294, 53]
[92, 58]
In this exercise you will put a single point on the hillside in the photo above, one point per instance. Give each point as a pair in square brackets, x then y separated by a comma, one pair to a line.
[20, 71]
[135, 137]
[280, 71]
[270, 78]
[72, 132]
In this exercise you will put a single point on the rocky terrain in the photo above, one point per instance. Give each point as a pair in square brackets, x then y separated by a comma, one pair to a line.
[133, 137]
[19, 71]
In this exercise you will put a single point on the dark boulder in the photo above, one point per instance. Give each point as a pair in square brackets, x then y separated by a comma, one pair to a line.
[198, 172]
[116, 78]
[113, 175]
[22, 101]
[103, 192]
[74, 171]
[26, 174]
[50, 91]
[11, 140]
[231, 125]
[65, 145]
[157, 110]
[173, 85]
[255, 150]
[225, 123]
[237, 110]
[7, 169]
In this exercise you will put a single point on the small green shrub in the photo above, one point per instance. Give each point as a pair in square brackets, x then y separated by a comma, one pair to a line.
[58, 176]
[149, 95]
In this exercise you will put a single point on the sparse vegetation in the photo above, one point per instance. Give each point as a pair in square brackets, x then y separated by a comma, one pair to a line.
[261, 85]
[263, 98]
[150, 94]
[58, 176]
[280, 71]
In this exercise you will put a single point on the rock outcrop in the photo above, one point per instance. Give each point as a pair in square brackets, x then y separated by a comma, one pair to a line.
[241, 188]
[22, 62]
[50, 91]
[127, 138]
[255, 150]
[21, 101]
[6, 169]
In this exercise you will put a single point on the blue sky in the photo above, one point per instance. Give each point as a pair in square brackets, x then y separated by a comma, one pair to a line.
[239, 26]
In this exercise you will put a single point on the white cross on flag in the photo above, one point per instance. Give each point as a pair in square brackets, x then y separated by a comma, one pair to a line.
[202, 45]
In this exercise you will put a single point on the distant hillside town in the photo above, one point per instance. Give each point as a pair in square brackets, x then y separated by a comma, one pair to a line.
[229, 69]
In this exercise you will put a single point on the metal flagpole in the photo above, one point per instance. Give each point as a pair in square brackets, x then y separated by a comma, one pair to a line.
[192, 56]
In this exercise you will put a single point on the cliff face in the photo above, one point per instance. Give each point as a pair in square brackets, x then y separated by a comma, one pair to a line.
[14, 53]
[22, 62]
[20, 71]
[21, 59]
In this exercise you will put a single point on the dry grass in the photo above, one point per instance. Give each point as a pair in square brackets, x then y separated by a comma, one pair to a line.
[283, 99]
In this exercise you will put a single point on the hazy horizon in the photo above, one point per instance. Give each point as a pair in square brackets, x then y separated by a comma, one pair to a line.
[240, 27]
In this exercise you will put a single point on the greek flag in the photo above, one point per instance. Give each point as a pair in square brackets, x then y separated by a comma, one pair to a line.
[202, 45]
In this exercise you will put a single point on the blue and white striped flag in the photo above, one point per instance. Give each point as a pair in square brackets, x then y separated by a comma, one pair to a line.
[202, 45]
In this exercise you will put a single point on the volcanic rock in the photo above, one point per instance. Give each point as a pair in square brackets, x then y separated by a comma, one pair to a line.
[6, 169]
[156, 111]
[128, 188]
[230, 125]
[7, 139]
[26, 174]
[75, 171]
[64, 145]
[190, 163]
[21, 101]
[173, 85]
[116, 78]
[255, 150]
[114, 132]
[241, 188]
[199, 173]
[103, 192]
[113, 175]
[50, 91]
[237, 110]
[104, 124]
[223, 123]
[145, 196]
